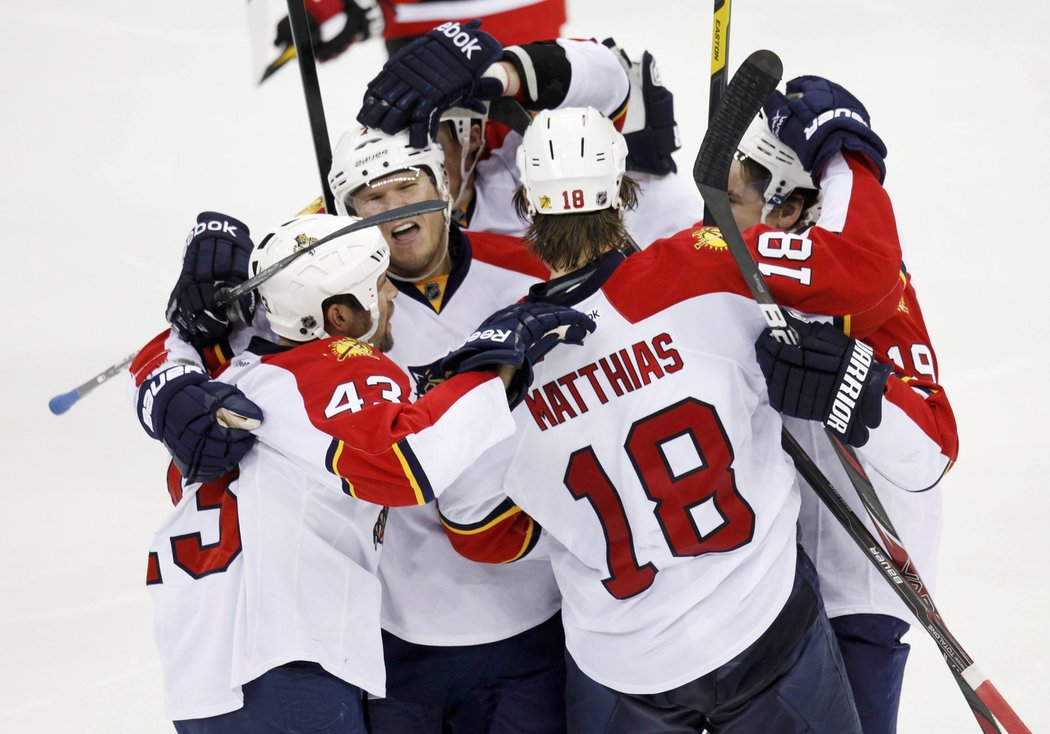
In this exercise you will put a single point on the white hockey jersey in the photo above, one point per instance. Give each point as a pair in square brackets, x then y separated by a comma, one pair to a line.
[853, 245]
[431, 594]
[279, 564]
[652, 457]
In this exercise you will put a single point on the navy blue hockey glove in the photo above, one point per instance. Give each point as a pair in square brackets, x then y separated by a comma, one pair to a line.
[361, 19]
[827, 377]
[519, 335]
[204, 424]
[442, 69]
[817, 118]
[649, 128]
[217, 252]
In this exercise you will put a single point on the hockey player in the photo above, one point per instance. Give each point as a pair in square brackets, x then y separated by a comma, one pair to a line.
[652, 459]
[471, 646]
[906, 456]
[275, 627]
[433, 80]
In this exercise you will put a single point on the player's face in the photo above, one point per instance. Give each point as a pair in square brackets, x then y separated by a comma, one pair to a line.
[383, 339]
[418, 245]
[744, 198]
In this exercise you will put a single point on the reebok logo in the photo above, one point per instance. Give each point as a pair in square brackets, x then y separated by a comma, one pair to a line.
[824, 117]
[495, 335]
[213, 225]
[852, 383]
[462, 40]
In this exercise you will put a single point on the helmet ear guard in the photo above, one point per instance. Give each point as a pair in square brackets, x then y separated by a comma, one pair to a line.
[351, 264]
[363, 156]
[572, 161]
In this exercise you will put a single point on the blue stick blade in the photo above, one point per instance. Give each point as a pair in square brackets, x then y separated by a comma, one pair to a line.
[61, 403]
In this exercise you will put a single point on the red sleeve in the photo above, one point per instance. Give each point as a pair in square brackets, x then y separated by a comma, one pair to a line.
[504, 535]
[150, 357]
[904, 342]
[848, 266]
[509, 253]
[530, 22]
[359, 397]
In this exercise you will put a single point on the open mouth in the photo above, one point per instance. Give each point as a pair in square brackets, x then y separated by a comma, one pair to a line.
[404, 232]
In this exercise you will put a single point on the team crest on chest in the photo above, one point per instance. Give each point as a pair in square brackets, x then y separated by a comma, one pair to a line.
[346, 347]
[709, 238]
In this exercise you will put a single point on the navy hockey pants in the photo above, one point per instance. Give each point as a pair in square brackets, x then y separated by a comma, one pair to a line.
[513, 686]
[293, 698]
[874, 656]
[789, 681]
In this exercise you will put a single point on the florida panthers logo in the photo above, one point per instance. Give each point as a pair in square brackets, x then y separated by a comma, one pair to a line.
[346, 347]
[302, 241]
[709, 238]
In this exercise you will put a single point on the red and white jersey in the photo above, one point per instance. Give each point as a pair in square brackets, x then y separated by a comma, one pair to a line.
[666, 204]
[905, 458]
[431, 594]
[651, 455]
[917, 440]
[510, 21]
[285, 569]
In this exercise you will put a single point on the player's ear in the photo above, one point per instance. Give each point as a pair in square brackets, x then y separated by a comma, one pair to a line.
[343, 320]
[786, 215]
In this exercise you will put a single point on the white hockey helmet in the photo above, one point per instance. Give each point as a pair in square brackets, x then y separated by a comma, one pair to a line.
[572, 160]
[351, 264]
[763, 147]
[363, 155]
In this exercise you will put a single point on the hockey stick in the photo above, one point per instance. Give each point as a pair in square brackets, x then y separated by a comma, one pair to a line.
[758, 76]
[63, 402]
[719, 66]
[304, 50]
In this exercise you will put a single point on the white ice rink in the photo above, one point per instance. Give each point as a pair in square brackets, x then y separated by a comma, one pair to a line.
[122, 120]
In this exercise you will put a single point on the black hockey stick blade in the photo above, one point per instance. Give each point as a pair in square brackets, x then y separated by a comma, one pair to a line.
[508, 111]
[757, 77]
[229, 295]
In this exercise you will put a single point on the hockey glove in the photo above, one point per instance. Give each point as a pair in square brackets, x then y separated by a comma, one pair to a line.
[827, 377]
[335, 25]
[817, 118]
[650, 128]
[204, 424]
[442, 69]
[519, 335]
[217, 252]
